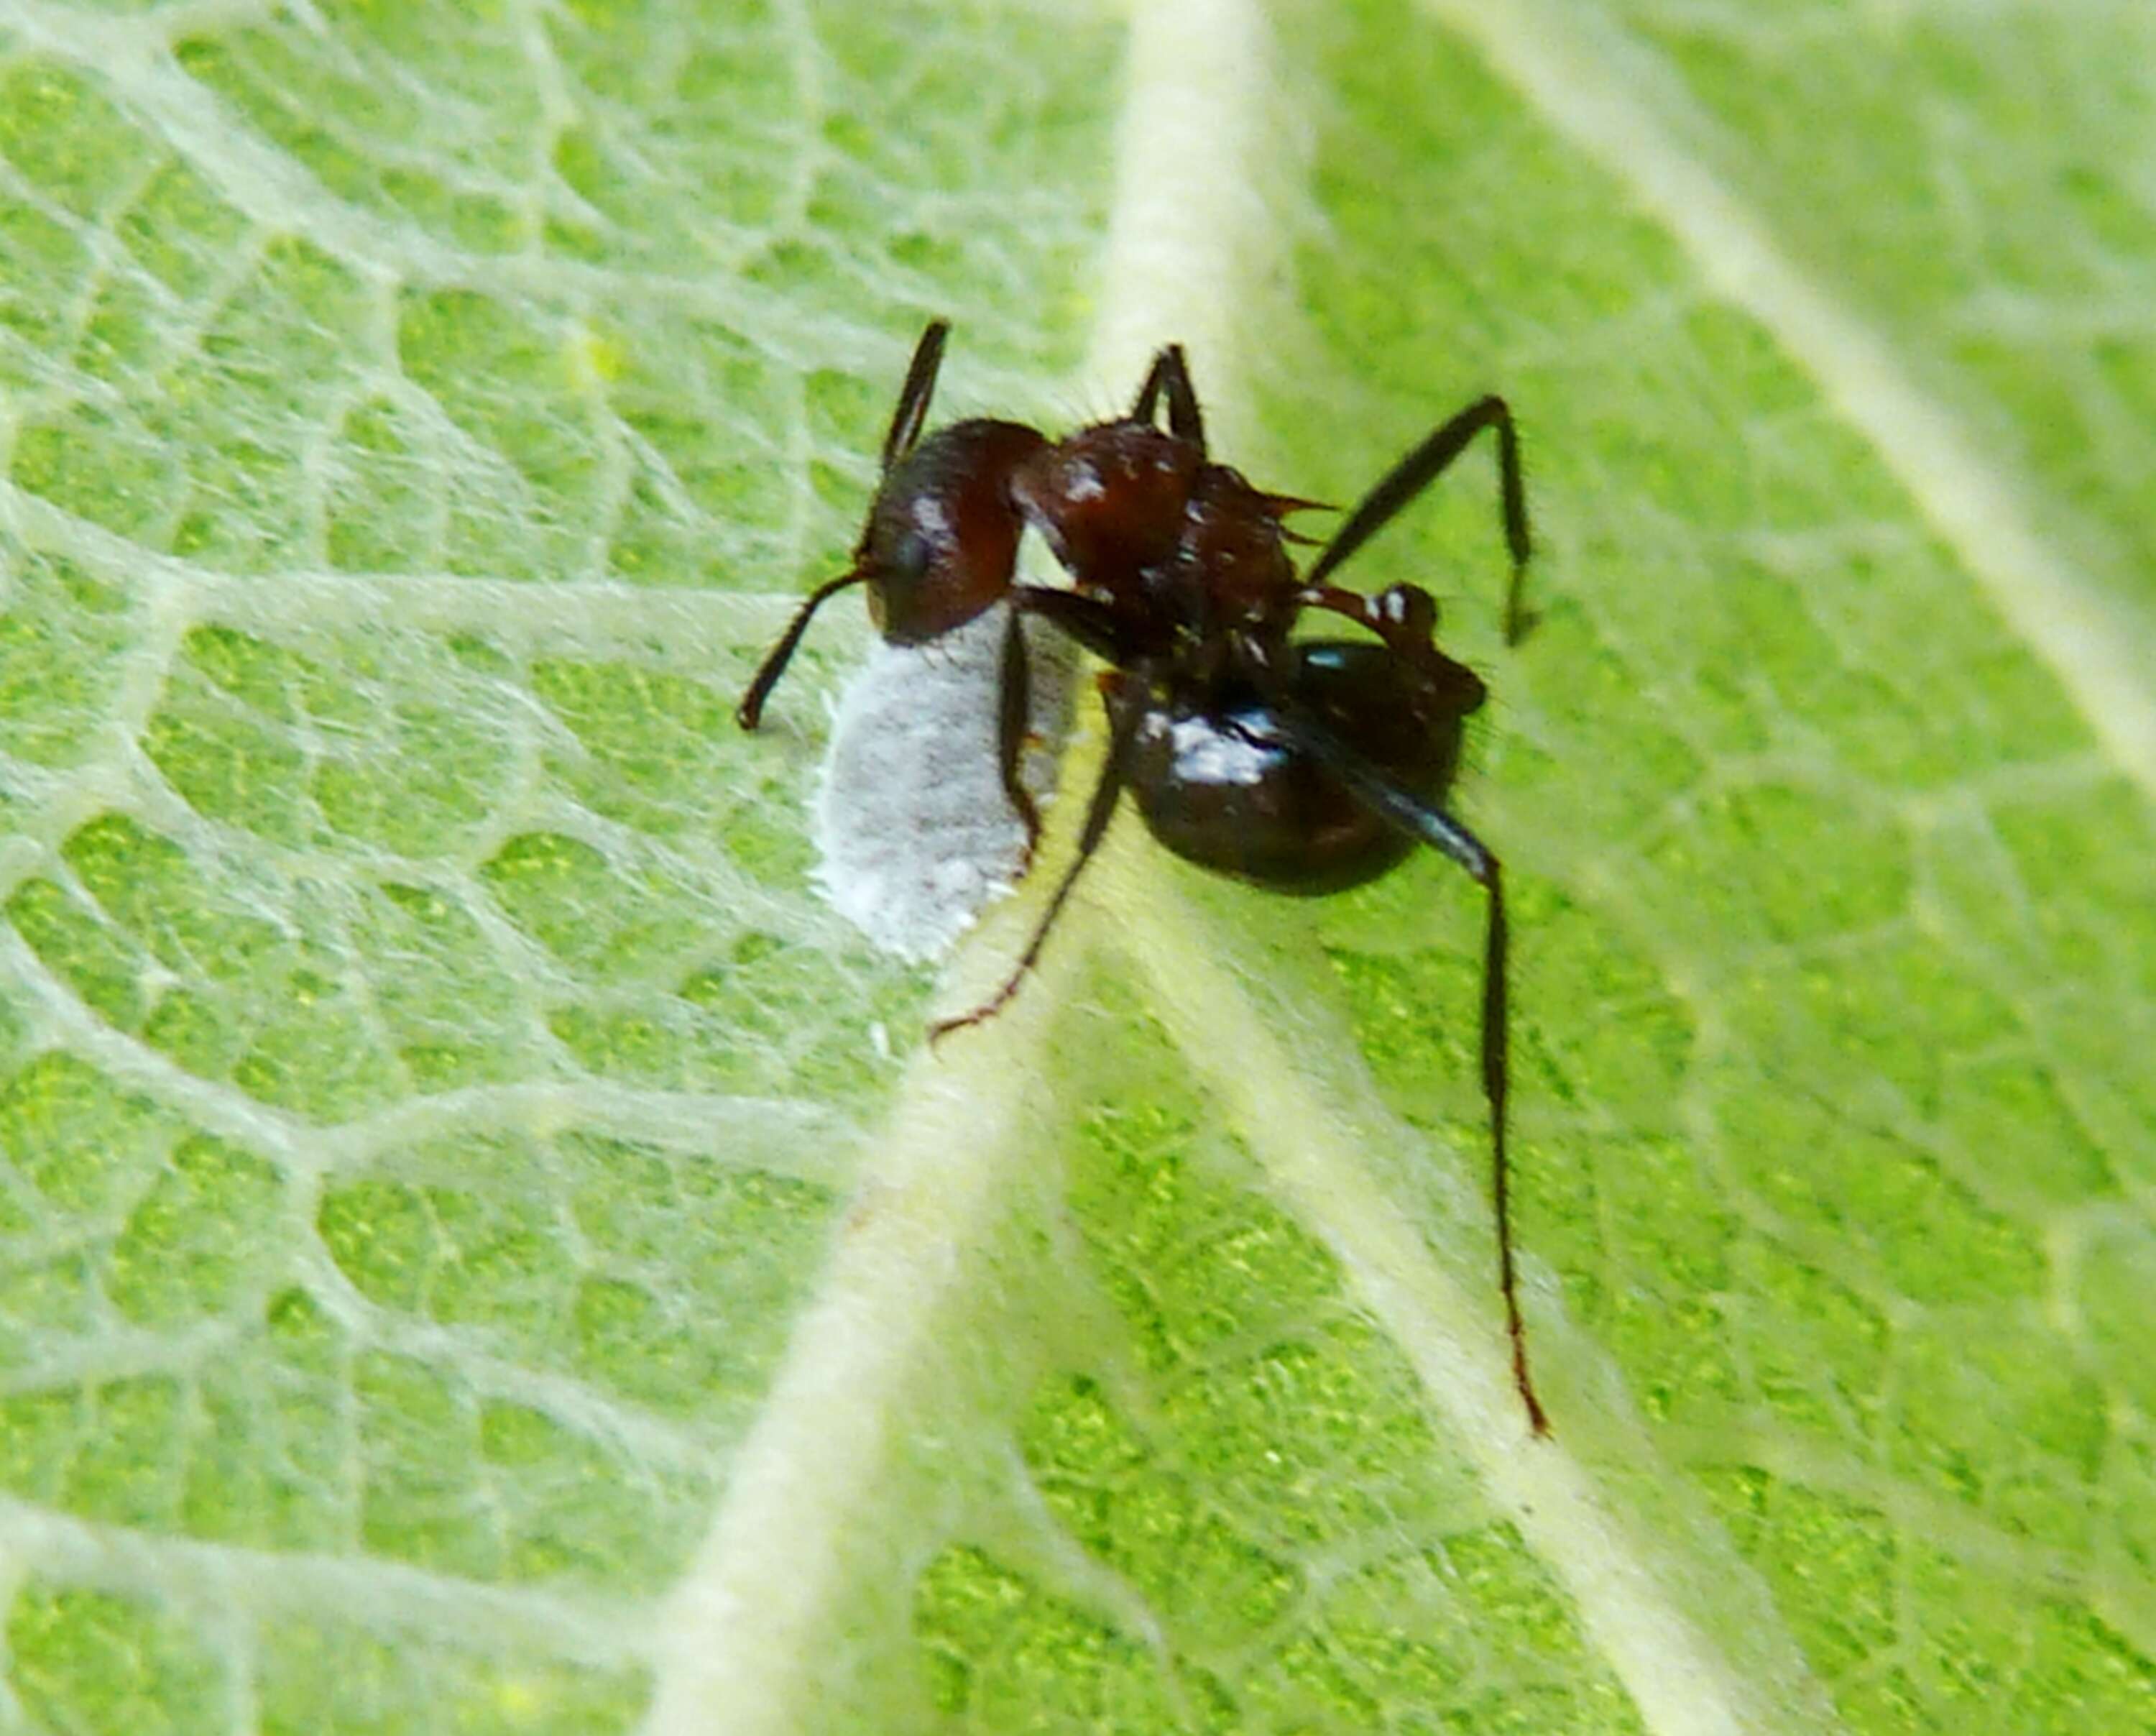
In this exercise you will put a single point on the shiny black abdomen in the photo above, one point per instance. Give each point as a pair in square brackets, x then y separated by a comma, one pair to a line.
[1219, 786]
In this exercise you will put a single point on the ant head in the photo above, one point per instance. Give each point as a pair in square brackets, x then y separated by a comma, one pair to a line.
[941, 539]
[1110, 499]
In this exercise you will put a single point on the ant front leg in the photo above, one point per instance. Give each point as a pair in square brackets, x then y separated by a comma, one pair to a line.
[1171, 373]
[1098, 813]
[1014, 718]
[1086, 620]
[1425, 821]
[1421, 467]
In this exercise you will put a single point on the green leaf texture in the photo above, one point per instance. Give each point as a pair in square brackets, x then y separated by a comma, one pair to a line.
[483, 1249]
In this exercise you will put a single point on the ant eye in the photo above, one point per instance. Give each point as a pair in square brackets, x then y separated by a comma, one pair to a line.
[907, 556]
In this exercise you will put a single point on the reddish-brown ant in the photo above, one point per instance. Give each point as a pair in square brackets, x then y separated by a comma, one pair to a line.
[1304, 766]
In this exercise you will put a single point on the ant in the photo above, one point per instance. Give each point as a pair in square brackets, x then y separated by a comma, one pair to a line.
[1301, 766]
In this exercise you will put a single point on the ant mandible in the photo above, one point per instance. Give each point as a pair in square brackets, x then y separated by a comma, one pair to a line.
[1302, 765]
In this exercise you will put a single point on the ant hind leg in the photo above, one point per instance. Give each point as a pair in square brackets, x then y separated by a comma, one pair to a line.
[1425, 821]
[1421, 467]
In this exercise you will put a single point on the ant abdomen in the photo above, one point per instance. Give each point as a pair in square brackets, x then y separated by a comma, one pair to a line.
[1219, 782]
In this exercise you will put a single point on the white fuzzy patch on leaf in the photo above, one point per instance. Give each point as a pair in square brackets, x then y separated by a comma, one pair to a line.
[912, 827]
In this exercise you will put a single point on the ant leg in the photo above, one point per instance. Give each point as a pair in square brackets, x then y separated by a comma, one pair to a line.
[1086, 620]
[1014, 714]
[1465, 848]
[1432, 826]
[914, 395]
[1421, 467]
[1403, 616]
[1171, 372]
[750, 711]
[1098, 813]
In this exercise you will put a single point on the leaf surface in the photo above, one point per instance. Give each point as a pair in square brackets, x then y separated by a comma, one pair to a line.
[482, 1248]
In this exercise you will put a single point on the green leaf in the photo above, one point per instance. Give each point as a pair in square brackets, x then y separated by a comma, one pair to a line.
[483, 1249]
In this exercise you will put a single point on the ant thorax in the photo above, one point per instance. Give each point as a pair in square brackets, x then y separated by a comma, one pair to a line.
[1110, 499]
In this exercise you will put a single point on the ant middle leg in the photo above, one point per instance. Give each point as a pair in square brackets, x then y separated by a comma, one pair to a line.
[1421, 467]
[1099, 812]
[1171, 372]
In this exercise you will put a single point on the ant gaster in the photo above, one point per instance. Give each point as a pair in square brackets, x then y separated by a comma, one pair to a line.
[1303, 766]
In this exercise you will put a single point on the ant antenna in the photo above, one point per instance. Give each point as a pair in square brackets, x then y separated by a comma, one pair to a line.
[749, 712]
